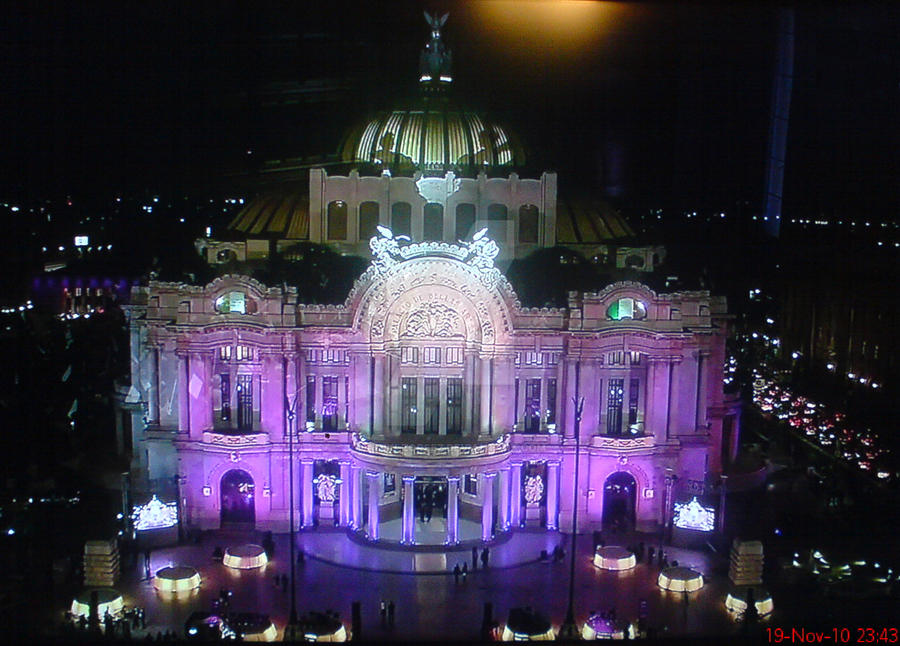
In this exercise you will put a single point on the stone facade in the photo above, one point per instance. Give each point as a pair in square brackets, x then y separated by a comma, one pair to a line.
[430, 371]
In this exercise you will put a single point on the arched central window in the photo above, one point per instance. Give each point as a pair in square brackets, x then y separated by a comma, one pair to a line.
[337, 220]
[433, 225]
[626, 308]
[465, 221]
[401, 219]
[368, 220]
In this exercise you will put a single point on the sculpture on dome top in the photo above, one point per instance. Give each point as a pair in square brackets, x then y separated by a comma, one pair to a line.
[385, 247]
[436, 60]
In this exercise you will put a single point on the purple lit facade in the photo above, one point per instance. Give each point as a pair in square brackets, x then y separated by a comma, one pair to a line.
[430, 380]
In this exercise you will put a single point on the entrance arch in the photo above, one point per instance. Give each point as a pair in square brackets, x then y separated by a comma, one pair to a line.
[238, 504]
[619, 498]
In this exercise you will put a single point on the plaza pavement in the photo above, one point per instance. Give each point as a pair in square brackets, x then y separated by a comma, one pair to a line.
[430, 606]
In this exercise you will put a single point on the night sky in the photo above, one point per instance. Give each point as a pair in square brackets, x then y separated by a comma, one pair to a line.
[650, 103]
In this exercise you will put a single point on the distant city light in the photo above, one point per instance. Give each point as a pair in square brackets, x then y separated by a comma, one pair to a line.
[81, 241]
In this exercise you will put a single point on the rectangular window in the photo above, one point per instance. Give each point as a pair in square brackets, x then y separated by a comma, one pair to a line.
[408, 405]
[470, 484]
[432, 404]
[409, 355]
[311, 399]
[225, 390]
[454, 405]
[454, 357]
[551, 401]
[329, 403]
[245, 402]
[532, 405]
[244, 353]
[634, 391]
[432, 356]
[614, 406]
[225, 353]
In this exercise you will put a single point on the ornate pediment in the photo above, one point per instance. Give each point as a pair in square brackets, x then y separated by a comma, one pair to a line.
[434, 320]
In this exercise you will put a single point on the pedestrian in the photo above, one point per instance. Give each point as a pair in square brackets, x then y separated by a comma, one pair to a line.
[651, 552]
[484, 558]
[456, 572]
[391, 613]
[474, 558]
[383, 612]
[465, 570]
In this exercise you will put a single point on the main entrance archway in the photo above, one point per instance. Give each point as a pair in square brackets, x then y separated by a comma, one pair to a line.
[238, 504]
[619, 495]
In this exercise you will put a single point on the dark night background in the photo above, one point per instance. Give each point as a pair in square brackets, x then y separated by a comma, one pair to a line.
[662, 104]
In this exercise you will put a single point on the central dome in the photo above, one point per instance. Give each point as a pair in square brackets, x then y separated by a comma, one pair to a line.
[432, 135]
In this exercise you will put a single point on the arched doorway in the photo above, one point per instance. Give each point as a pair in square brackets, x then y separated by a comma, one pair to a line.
[619, 495]
[238, 506]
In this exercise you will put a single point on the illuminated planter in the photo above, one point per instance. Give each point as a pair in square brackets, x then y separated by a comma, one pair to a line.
[614, 558]
[596, 627]
[176, 579]
[320, 627]
[680, 579]
[108, 600]
[245, 557]
[268, 634]
[527, 625]
[736, 601]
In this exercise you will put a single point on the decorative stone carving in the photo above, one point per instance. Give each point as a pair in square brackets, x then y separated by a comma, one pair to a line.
[438, 189]
[434, 320]
[534, 489]
[326, 488]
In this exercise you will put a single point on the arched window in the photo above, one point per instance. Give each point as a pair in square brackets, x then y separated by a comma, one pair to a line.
[634, 260]
[497, 215]
[235, 303]
[528, 224]
[465, 221]
[626, 308]
[433, 225]
[401, 217]
[337, 220]
[368, 219]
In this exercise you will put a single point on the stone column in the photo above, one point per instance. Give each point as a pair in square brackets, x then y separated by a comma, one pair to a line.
[378, 396]
[469, 398]
[673, 402]
[152, 385]
[553, 495]
[484, 423]
[408, 535]
[452, 510]
[355, 497]
[702, 370]
[657, 405]
[515, 496]
[306, 492]
[569, 419]
[374, 499]
[487, 506]
[184, 406]
[504, 499]
[344, 494]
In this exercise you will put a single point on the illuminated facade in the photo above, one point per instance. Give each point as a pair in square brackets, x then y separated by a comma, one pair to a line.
[429, 392]
[430, 407]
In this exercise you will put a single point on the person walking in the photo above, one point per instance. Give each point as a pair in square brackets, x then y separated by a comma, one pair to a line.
[456, 572]
[474, 558]
[390, 612]
[465, 571]
[383, 613]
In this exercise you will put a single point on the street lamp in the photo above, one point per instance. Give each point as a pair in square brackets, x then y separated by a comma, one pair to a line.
[569, 631]
[290, 632]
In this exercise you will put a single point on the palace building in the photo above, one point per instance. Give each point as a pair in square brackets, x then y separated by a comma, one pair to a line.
[430, 407]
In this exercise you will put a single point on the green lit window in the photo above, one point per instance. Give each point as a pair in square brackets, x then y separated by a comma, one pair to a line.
[232, 303]
[626, 308]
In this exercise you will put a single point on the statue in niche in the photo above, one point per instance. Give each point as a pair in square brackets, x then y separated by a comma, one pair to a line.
[326, 488]
[534, 489]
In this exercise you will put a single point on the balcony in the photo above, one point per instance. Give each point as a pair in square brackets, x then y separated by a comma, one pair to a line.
[436, 447]
[232, 440]
[623, 443]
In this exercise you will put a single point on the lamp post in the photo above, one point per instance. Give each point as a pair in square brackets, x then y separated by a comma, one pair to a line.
[292, 622]
[569, 631]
